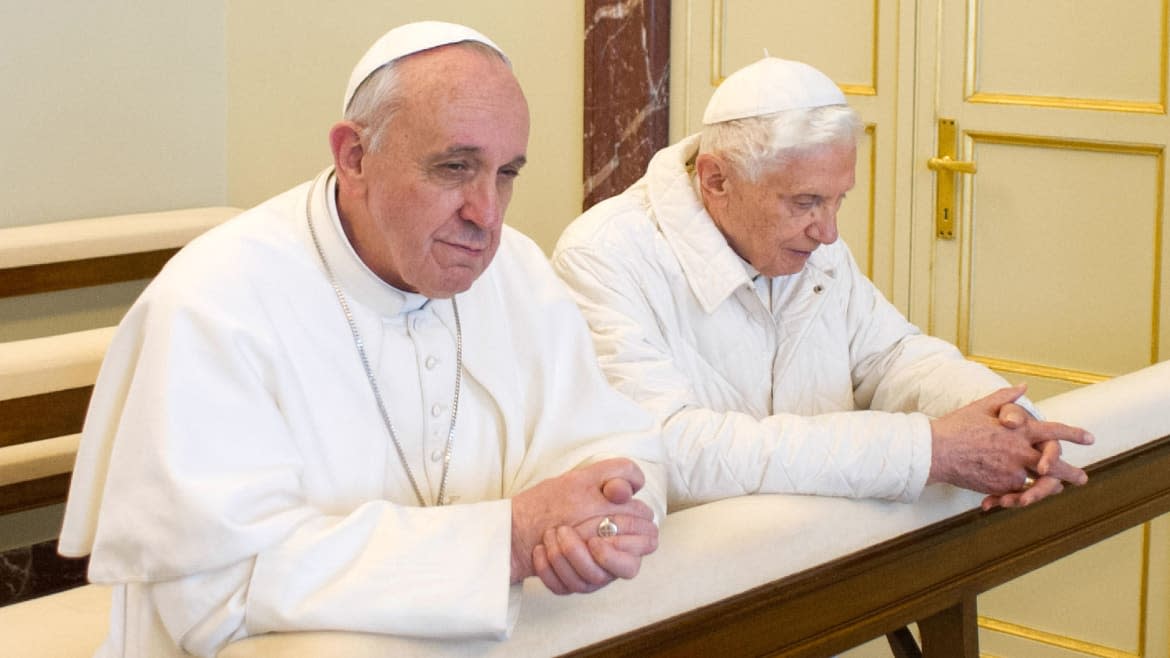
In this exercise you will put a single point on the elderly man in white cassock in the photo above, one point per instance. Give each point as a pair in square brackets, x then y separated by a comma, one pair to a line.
[720, 298]
[365, 404]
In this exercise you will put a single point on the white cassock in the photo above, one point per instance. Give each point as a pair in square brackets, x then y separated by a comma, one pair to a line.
[809, 383]
[235, 476]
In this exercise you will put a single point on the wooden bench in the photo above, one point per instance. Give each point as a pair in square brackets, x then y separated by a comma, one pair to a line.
[89, 252]
[45, 383]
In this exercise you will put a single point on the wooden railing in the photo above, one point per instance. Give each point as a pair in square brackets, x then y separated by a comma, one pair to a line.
[45, 382]
[931, 575]
[812, 576]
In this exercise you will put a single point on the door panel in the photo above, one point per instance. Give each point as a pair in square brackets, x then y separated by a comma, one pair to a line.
[1055, 276]
[1055, 273]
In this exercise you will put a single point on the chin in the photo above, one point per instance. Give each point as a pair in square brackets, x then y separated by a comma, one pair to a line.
[451, 286]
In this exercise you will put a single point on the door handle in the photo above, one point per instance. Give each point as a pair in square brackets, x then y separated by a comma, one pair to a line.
[945, 163]
[946, 167]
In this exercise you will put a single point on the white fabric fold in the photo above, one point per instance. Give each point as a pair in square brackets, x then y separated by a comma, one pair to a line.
[235, 476]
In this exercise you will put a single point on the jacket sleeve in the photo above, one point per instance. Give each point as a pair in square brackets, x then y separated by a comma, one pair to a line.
[897, 368]
[715, 454]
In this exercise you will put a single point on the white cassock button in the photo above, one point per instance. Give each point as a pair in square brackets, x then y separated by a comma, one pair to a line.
[436, 410]
[437, 456]
[431, 362]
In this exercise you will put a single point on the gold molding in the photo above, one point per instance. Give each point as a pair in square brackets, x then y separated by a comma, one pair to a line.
[966, 278]
[871, 132]
[1068, 103]
[718, 14]
[1159, 219]
[1052, 639]
[718, 39]
[1037, 370]
[973, 95]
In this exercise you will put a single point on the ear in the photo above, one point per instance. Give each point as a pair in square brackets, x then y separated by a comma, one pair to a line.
[345, 142]
[712, 173]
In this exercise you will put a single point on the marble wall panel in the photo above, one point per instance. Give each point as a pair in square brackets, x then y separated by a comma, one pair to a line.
[31, 571]
[627, 78]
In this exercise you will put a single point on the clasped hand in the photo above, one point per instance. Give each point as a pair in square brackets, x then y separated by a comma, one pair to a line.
[994, 446]
[555, 524]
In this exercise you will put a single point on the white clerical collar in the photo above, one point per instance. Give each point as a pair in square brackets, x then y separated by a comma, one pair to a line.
[358, 281]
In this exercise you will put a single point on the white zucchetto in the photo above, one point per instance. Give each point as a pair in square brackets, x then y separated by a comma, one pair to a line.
[768, 86]
[407, 40]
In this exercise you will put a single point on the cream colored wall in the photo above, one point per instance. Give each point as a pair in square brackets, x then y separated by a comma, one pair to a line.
[108, 107]
[287, 71]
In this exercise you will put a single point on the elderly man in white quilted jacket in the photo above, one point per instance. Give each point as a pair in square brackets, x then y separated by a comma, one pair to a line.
[721, 299]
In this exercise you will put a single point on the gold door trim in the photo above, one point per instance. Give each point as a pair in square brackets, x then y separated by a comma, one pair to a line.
[965, 258]
[973, 95]
[1074, 644]
[871, 132]
[1070, 103]
[1051, 639]
[1037, 370]
[719, 37]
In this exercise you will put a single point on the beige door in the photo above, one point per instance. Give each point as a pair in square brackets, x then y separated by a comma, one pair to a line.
[1054, 274]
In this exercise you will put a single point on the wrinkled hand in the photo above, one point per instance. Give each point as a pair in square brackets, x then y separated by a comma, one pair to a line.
[1052, 472]
[555, 522]
[992, 445]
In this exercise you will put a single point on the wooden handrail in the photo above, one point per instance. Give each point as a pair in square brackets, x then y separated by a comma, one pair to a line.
[930, 575]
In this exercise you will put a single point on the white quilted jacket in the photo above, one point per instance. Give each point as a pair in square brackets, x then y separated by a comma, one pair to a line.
[754, 400]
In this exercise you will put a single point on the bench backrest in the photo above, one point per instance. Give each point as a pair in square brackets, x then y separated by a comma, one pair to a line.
[46, 382]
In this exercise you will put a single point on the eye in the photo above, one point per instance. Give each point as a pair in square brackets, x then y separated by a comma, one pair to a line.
[509, 172]
[807, 202]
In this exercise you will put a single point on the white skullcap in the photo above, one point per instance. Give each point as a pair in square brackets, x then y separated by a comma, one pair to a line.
[407, 40]
[771, 85]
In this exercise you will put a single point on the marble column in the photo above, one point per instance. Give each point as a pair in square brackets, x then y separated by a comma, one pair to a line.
[627, 99]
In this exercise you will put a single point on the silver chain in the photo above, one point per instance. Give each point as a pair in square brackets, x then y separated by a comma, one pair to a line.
[361, 350]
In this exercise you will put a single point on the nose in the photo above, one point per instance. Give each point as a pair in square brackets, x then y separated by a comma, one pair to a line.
[823, 228]
[481, 203]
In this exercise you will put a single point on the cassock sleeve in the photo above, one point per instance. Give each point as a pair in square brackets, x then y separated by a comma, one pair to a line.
[570, 415]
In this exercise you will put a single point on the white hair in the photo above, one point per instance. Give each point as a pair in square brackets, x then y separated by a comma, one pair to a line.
[754, 144]
[378, 97]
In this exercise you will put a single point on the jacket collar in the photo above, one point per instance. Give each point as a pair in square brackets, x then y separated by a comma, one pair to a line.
[712, 268]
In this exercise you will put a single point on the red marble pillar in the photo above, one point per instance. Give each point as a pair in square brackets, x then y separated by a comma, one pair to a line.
[627, 93]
